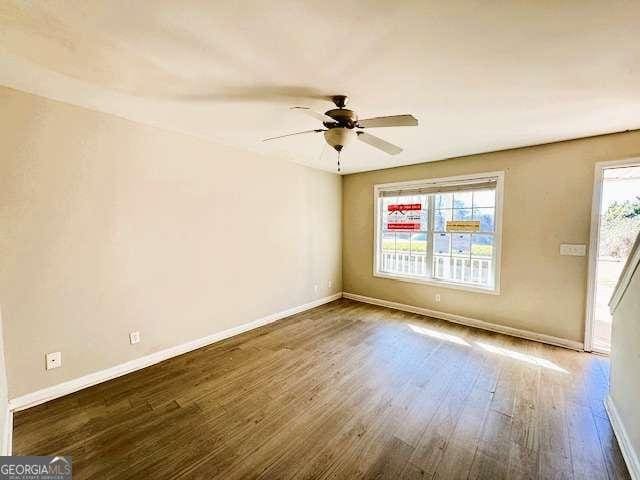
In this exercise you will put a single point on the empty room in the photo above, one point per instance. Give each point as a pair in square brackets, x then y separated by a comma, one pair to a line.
[311, 240]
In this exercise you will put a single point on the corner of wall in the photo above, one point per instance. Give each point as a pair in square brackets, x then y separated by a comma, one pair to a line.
[342, 177]
[6, 417]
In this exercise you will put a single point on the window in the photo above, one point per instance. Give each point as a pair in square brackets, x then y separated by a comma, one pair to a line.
[441, 231]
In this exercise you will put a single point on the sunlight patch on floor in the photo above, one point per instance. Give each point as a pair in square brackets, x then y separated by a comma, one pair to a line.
[523, 357]
[439, 335]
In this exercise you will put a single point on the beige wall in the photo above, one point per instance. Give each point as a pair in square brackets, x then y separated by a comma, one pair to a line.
[547, 201]
[109, 226]
[4, 399]
[625, 362]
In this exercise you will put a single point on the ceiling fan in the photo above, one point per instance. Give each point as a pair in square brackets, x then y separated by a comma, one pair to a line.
[341, 125]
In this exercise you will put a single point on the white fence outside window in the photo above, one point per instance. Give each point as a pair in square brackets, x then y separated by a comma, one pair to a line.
[456, 269]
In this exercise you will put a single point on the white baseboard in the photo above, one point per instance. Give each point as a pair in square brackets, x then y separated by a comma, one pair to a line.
[65, 388]
[7, 434]
[471, 322]
[630, 456]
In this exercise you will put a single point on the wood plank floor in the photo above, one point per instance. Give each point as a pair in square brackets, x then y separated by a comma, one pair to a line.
[346, 390]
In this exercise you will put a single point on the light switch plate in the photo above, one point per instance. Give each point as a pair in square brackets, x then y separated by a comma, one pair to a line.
[574, 250]
[54, 360]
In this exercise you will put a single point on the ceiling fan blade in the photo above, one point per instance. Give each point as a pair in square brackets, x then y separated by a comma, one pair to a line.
[390, 121]
[379, 143]
[297, 133]
[318, 116]
[257, 93]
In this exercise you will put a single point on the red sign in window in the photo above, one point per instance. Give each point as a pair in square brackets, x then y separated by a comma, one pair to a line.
[403, 226]
[404, 207]
[404, 217]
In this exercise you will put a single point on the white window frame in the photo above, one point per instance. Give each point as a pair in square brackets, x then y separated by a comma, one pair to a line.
[495, 290]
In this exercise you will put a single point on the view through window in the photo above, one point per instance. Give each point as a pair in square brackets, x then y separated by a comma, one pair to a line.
[442, 232]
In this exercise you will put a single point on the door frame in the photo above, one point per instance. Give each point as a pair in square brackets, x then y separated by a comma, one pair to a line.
[594, 236]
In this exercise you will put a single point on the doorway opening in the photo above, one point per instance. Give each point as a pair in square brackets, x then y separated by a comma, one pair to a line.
[615, 223]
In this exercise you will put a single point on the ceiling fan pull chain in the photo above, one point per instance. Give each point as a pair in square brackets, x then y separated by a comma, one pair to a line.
[338, 162]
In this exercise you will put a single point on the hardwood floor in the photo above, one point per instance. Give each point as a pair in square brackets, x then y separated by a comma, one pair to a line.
[346, 390]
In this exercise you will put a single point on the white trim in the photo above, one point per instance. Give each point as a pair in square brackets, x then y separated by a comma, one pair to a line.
[594, 235]
[625, 277]
[65, 388]
[630, 456]
[471, 322]
[7, 425]
[7, 434]
[498, 175]
[406, 185]
[498, 231]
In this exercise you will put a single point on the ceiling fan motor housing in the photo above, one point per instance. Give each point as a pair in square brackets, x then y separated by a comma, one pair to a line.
[343, 116]
[338, 137]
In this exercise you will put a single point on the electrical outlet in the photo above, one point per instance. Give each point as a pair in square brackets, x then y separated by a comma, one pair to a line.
[437, 297]
[134, 337]
[329, 284]
[316, 288]
[54, 360]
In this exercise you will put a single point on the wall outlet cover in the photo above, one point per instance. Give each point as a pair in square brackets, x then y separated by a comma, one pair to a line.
[54, 360]
[134, 337]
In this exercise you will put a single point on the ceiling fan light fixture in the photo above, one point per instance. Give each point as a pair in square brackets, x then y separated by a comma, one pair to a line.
[338, 137]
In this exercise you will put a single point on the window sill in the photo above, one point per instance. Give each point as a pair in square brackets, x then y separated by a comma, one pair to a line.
[439, 283]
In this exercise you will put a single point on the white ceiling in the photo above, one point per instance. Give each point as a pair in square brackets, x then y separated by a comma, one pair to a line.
[479, 75]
